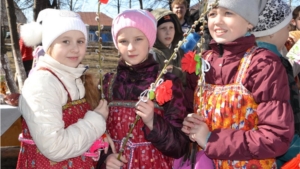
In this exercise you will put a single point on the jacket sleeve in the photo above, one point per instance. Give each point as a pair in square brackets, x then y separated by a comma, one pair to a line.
[267, 80]
[191, 83]
[179, 73]
[41, 107]
[166, 135]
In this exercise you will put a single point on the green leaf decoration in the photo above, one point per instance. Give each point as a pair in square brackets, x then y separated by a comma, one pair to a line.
[197, 58]
[151, 95]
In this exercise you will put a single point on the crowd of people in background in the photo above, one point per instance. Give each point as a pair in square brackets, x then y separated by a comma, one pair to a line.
[234, 103]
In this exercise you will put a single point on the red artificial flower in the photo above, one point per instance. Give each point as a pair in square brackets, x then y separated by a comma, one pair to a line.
[103, 1]
[164, 92]
[188, 63]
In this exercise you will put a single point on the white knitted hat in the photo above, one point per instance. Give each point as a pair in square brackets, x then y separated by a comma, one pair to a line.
[58, 23]
[276, 15]
[44, 14]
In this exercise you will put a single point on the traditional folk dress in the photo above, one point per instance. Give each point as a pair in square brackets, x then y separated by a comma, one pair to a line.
[231, 106]
[139, 152]
[31, 157]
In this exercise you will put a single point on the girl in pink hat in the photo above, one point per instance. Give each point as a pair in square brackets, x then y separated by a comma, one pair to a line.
[156, 139]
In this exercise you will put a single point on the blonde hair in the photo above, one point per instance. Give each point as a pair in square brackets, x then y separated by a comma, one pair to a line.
[92, 94]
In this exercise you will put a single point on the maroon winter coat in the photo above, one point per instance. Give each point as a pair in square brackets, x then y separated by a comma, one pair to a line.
[130, 82]
[266, 79]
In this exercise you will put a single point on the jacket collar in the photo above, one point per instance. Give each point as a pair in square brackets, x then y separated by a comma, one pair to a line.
[234, 48]
[140, 68]
[49, 62]
[269, 46]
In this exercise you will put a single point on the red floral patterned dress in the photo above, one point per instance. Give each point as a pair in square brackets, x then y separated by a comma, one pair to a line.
[232, 106]
[31, 157]
[139, 153]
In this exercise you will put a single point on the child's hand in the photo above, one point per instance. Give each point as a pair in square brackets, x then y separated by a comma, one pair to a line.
[102, 108]
[199, 134]
[111, 143]
[146, 111]
[196, 128]
[190, 121]
[112, 161]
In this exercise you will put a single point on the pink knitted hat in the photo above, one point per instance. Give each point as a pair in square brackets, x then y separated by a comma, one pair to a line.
[136, 18]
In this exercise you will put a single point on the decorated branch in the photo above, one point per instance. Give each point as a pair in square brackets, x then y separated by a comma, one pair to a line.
[101, 58]
[193, 62]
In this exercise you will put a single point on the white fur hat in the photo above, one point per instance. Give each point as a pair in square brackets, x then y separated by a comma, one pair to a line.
[59, 23]
[276, 15]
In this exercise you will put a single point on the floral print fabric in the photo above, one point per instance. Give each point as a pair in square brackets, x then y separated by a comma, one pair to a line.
[231, 106]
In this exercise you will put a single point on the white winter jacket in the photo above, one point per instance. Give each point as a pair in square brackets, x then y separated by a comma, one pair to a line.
[41, 103]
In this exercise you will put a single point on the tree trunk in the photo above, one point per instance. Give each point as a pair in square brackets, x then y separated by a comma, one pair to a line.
[141, 4]
[118, 6]
[129, 4]
[11, 18]
[35, 12]
[12, 87]
[38, 6]
[71, 5]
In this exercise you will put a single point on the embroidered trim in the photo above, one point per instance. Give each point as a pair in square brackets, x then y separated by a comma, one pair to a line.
[73, 103]
[130, 104]
[223, 89]
[130, 145]
[244, 64]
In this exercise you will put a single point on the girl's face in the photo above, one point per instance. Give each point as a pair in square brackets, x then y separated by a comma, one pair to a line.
[166, 33]
[69, 48]
[226, 26]
[133, 45]
[296, 22]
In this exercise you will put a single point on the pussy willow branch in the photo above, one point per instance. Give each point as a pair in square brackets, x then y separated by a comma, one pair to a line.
[99, 53]
[200, 45]
[137, 118]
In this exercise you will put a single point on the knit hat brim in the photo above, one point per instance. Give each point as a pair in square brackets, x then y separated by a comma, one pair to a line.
[165, 19]
[135, 18]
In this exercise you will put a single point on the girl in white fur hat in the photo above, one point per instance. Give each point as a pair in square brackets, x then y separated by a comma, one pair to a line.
[59, 125]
